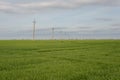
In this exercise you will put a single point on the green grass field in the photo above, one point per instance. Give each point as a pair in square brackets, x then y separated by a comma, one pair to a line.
[60, 60]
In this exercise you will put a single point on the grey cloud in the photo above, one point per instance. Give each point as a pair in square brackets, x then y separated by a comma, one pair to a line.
[32, 7]
[116, 25]
[104, 19]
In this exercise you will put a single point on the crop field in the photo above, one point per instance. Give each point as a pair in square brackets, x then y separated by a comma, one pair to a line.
[60, 60]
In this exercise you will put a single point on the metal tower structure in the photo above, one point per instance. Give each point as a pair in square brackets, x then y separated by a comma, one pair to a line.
[34, 25]
[53, 33]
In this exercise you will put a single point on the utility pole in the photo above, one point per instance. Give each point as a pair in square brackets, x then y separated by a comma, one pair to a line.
[34, 24]
[53, 33]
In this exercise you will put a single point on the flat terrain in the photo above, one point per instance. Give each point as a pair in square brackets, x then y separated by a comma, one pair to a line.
[60, 60]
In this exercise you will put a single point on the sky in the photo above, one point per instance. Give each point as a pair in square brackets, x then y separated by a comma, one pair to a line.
[98, 17]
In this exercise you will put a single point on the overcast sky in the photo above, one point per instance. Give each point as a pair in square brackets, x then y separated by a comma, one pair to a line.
[80, 15]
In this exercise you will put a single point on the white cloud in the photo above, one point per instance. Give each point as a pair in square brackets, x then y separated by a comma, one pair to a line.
[49, 4]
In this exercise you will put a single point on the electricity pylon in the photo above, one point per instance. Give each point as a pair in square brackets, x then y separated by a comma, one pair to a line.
[34, 24]
[52, 33]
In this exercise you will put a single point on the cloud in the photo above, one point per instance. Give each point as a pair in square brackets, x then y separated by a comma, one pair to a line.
[104, 19]
[32, 7]
[116, 25]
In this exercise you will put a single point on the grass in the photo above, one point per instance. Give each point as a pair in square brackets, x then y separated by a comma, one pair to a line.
[60, 60]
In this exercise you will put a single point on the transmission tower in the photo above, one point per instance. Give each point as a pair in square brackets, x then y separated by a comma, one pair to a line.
[34, 24]
[53, 33]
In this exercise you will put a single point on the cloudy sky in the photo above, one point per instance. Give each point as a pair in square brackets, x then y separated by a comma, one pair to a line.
[97, 16]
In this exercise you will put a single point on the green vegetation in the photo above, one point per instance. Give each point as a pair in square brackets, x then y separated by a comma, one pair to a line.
[60, 60]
